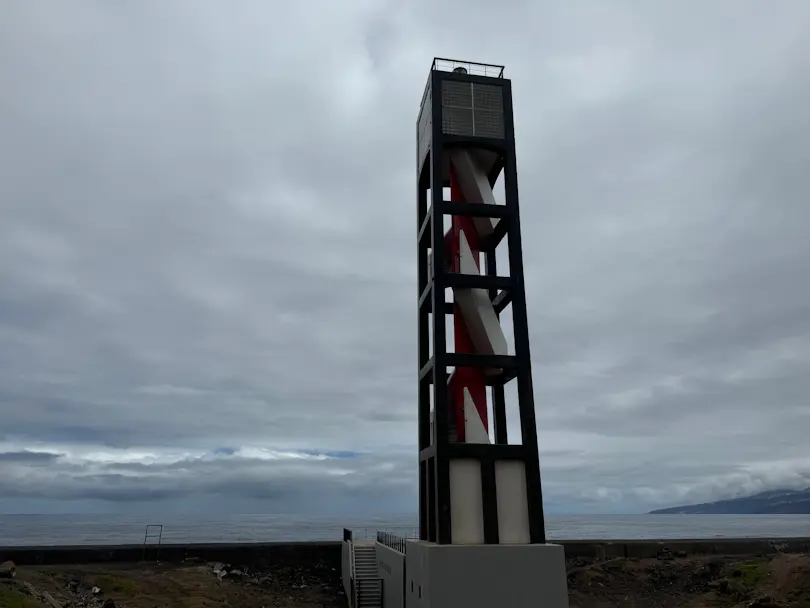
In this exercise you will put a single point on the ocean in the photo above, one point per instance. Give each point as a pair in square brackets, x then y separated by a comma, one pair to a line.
[18, 530]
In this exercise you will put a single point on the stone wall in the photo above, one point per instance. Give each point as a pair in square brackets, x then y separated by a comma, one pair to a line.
[264, 555]
[305, 553]
[652, 548]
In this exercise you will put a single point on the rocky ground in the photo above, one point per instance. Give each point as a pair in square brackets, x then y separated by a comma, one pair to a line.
[778, 581]
[186, 585]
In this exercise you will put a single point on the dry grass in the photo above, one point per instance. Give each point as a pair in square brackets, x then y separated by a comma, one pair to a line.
[175, 586]
[112, 584]
[11, 597]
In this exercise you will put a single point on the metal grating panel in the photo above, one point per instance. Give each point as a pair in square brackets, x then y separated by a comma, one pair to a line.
[457, 121]
[456, 94]
[488, 124]
[488, 97]
[425, 122]
[472, 109]
[488, 110]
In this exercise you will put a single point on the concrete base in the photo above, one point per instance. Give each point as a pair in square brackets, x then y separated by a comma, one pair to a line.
[472, 576]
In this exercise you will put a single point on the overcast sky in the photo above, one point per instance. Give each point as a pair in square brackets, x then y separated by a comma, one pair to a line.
[208, 262]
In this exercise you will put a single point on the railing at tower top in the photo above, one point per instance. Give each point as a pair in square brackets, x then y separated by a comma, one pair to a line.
[476, 69]
[392, 541]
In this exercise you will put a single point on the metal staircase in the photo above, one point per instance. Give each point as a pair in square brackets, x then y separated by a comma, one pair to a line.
[367, 581]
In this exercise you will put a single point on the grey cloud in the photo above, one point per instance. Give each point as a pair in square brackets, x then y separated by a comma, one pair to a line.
[282, 481]
[28, 457]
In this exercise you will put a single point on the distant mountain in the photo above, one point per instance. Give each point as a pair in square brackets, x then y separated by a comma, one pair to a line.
[773, 502]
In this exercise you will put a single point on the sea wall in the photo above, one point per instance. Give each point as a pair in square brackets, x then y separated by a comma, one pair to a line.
[609, 549]
[291, 554]
[265, 555]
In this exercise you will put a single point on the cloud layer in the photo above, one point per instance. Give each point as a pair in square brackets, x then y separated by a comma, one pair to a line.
[207, 262]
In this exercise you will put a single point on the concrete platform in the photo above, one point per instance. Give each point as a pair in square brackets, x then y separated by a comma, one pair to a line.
[473, 576]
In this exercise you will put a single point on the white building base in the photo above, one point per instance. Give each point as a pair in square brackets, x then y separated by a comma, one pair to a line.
[485, 576]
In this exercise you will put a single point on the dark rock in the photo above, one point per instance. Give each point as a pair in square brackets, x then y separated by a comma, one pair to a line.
[714, 566]
[48, 599]
[665, 555]
[28, 589]
[720, 585]
[7, 570]
[108, 603]
[764, 601]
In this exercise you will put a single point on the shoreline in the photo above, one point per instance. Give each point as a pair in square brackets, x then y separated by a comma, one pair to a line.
[700, 573]
[304, 551]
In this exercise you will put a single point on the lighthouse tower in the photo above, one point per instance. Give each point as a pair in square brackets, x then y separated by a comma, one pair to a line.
[481, 527]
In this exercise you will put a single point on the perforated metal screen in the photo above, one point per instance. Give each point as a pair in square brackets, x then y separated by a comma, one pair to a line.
[425, 122]
[472, 109]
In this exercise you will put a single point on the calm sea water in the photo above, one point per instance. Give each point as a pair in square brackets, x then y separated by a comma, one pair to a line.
[113, 529]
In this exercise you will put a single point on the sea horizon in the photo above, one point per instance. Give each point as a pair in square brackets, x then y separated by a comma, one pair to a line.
[115, 529]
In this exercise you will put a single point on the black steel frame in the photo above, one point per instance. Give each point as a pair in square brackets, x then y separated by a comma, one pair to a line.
[434, 458]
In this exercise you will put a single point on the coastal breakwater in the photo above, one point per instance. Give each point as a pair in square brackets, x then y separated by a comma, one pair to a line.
[291, 554]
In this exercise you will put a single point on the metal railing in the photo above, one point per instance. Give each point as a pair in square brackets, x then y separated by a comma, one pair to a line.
[407, 532]
[477, 69]
[392, 541]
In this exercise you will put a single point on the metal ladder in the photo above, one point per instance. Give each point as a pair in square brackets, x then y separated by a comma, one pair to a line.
[367, 580]
[154, 532]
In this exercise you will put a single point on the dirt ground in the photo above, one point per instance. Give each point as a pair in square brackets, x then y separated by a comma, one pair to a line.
[189, 585]
[778, 581]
